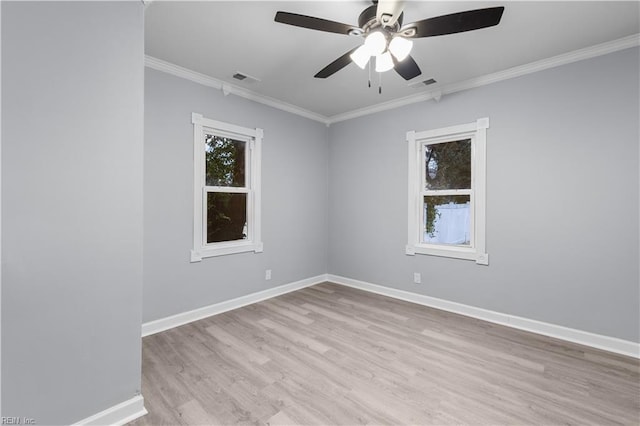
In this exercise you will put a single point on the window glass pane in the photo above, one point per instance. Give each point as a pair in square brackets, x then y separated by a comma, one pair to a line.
[225, 161]
[226, 217]
[448, 165]
[447, 220]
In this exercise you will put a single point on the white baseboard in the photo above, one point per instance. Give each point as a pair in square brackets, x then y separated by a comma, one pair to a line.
[172, 321]
[120, 414]
[611, 344]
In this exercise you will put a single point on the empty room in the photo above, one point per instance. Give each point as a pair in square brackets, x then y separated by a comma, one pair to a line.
[319, 212]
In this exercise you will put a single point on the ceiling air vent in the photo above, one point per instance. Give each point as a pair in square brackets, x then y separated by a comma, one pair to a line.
[245, 77]
[418, 84]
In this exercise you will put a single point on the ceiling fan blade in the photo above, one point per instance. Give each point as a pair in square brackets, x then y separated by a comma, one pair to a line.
[336, 65]
[455, 23]
[312, 23]
[407, 68]
[388, 11]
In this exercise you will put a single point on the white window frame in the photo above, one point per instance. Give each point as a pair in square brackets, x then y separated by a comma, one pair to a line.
[477, 133]
[253, 137]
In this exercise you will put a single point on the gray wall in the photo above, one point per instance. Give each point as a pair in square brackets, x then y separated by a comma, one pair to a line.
[72, 141]
[562, 204]
[294, 199]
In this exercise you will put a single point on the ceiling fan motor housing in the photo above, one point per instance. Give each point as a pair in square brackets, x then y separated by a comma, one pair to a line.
[367, 20]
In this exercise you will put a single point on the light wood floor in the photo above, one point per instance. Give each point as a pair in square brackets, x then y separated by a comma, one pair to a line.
[332, 355]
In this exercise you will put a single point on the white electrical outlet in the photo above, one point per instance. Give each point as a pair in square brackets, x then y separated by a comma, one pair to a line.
[417, 278]
[267, 274]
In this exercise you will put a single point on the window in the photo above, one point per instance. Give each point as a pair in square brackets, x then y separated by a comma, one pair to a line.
[447, 178]
[226, 188]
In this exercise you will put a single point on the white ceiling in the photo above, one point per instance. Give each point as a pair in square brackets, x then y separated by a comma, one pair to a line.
[219, 38]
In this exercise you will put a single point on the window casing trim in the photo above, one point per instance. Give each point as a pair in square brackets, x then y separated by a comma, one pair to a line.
[475, 131]
[253, 137]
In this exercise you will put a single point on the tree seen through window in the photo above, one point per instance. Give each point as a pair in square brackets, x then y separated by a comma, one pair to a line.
[225, 167]
[447, 167]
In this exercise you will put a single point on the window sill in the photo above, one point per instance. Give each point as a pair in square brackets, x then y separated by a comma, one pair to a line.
[452, 252]
[224, 249]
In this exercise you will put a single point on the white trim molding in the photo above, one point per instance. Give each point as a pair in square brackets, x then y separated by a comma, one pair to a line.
[119, 414]
[438, 92]
[153, 327]
[476, 133]
[598, 341]
[252, 188]
[435, 94]
[228, 88]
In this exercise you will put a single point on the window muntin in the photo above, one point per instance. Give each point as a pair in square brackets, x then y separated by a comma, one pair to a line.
[226, 189]
[226, 170]
[447, 192]
[447, 176]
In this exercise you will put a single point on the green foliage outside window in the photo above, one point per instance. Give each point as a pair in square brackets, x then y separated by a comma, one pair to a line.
[225, 160]
[447, 166]
[225, 166]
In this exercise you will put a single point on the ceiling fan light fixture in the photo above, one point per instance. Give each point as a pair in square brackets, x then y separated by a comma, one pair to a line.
[400, 47]
[384, 62]
[380, 30]
[376, 43]
[361, 56]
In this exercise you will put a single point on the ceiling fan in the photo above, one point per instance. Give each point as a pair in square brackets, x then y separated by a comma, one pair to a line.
[386, 39]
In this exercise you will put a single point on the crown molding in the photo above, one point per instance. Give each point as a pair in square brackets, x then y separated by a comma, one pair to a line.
[436, 94]
[228, 88]
[555, 61]
[384, 106]
[178, 71]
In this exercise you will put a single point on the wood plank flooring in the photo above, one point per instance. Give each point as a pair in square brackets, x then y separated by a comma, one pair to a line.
[332, 355]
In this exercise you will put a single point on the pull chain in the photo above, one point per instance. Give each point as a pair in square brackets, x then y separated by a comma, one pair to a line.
[379, 83]
[369, 73]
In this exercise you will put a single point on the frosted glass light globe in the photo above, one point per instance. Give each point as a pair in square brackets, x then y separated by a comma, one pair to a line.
[376, 43]
[361, 56]
[384, 62]
[400, 47]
